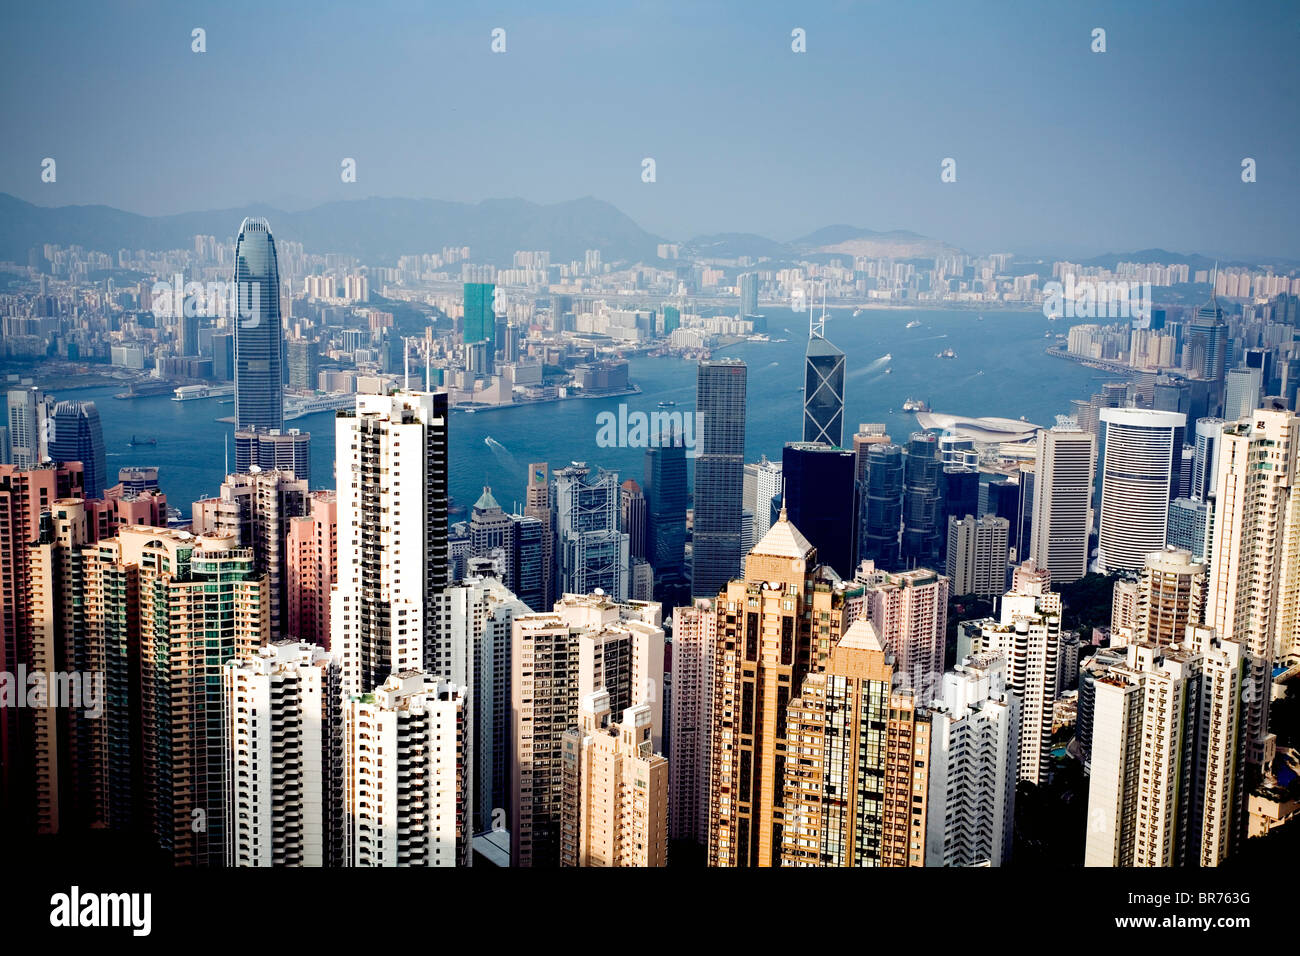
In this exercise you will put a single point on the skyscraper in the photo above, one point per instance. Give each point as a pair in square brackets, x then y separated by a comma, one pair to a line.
[537, 504]
[1171, 596]
[480, 316]
[823, 391]
[748, 282]
[924, 534]
[719, 475]
[977, 555]
[591, 552]
[392, 507]
[311, 568]
[1141, 466]
[1254, 579]
[259, 333]
[29, 410]
[762, 491]
[821, 500]
[275, 449]
[909, 611]
[882, 506]
[856, 796]
[75, 435]
[1062, 503]
[667, 493]
[632, 508]
[1206, 461]
[695, 628]
[774, 627]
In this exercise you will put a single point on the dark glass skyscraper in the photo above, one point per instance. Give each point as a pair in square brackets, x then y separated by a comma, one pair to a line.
[821, 500]
[259, 335]
[923, 528]
[882, 505]
[823, 395]
[719, 475]
[666, 494]
[75, 435]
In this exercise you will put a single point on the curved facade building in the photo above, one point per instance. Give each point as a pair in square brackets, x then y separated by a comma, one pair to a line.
[259, 336]
[1141, 466]
[75, 435]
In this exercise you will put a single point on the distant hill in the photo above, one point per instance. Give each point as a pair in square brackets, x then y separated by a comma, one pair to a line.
[733, 245]
[376, 230]
[855, 241]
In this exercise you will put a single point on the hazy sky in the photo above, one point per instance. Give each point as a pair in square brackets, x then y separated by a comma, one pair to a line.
[1058, 149]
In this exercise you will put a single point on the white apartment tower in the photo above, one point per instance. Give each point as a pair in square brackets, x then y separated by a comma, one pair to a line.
[974, 736]
[283, 728]
[392, 536]
[1062, 507]
[407, 757]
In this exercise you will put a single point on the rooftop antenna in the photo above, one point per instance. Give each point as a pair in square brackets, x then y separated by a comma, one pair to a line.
[817, 324]
[1214, 287]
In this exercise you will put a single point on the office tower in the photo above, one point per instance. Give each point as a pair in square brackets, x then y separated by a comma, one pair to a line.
[960, 492]
[1254, 538]
[1171, 595]
[274, 450]
[748, 282]
[480, 314]
[491, 531]
[475, 618]
[283, 734]
[821, 500]
[198, 603]
[187, 334]
[75, 434]
[1141, 464]
[406, 787]
[632, 513]
[909, 611]
[24, 495]
[528, 560]
[1028, 635]
[977, 555]
[259, 334]
[1208, 431]
[615, 804]
[667, 493]
[29, 411]
[695, 629]
[1062, 503]
[1242, 388]
[868, 434]
[762, 484]
[857, 794]
[1186, 466]
[1189, 526]
[587, 643]
[774, 627]
[1165, 777]
[590, 551]
[823, 391]
[392, 511]
[641, 581]
[974, 741]
[537, 504]
[311, 568]
[223, 356]
[304, 364]
[719, 475]
[923, 537]
[256, 510]
[882, 506]
[138, 480]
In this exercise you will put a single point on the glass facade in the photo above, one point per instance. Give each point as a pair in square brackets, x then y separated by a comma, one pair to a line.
[259, 335]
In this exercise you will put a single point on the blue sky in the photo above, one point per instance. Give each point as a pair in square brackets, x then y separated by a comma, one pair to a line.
[1059, 150]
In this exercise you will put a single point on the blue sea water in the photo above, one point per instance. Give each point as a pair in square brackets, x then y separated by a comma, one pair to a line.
[1000, 369]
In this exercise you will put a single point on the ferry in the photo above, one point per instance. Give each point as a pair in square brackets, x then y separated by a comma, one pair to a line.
[946, 354]
[913, 324]
[298, 407]
[915, 405]
[141, 441]
[193, 393]
[667, 404]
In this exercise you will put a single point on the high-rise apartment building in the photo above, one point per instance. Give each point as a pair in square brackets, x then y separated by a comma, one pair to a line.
[719, 475]
[259, 332]
[273, 449]
[406, 785]
[1254, 556]
[29, 411]
[1171, 595]
[1062, 503]
[974, 738]
[311, 568]
[392, 534]
[856, 795]
[774, 627]
[1141, 469]
[587, 643]
[909, 611]
[283, 735]
[695, 628]
[615, 789]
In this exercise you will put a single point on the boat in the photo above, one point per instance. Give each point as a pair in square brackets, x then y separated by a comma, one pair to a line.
[946, 354]
[915, 405]
[667, 404]
[889, 371]
[913, 324]
[856, 313]
[193, 393]
[141, 441]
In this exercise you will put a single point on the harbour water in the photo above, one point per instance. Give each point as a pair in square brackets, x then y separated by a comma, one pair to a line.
[1000, 369]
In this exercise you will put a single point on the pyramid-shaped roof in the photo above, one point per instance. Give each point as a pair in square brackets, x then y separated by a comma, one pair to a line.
[861, 635]
[783, 540]
[486, 502]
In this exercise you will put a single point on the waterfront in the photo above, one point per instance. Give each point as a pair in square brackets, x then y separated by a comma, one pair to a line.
[1000, 369]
